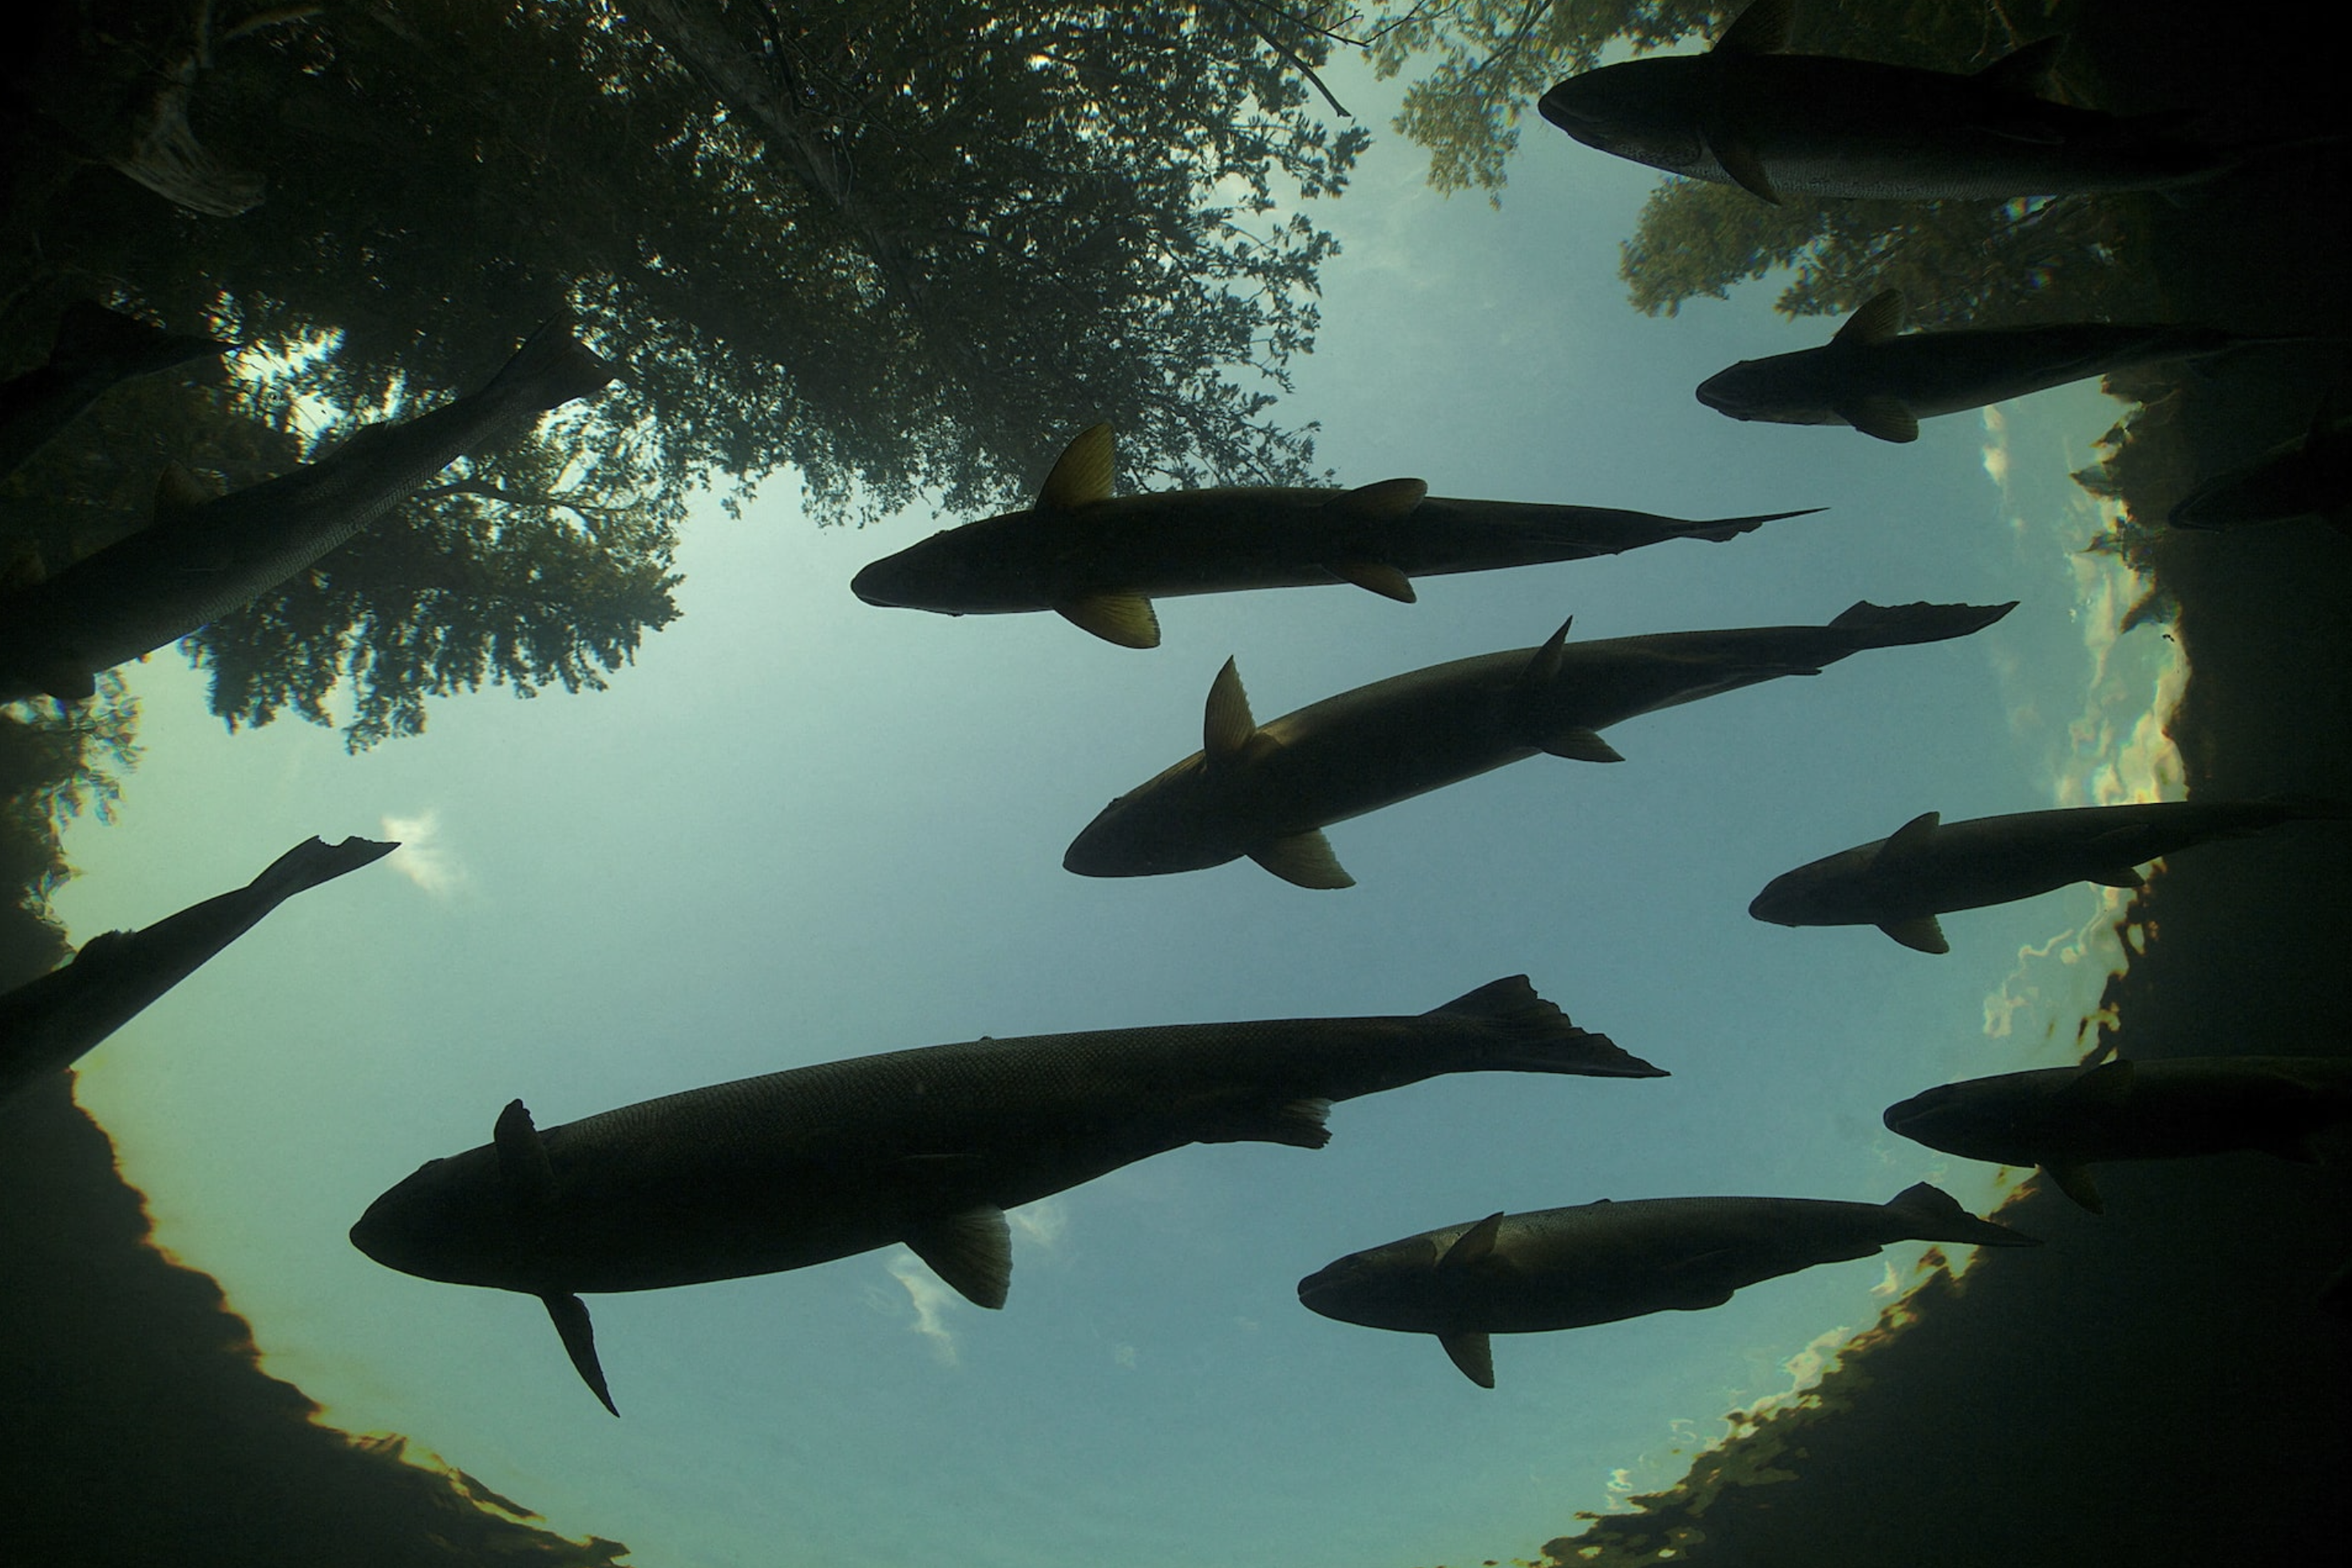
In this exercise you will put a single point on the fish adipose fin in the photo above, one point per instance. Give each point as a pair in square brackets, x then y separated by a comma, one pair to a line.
[1082, 473]
[1886, 418]
[1127, 619]
[1934, 1214]
[570, 1315]
[1303, 860]
[972, 1251]
[1473, 1353]
[1535, 1035]
[1377, 575]
[1920, 933]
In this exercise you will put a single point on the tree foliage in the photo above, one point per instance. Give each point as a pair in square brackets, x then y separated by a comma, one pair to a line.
[900, 251]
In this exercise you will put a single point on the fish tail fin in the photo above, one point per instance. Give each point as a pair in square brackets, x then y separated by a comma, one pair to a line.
[1931, 1214]
[551, 368]
[1528, 1034]
[314, 861]
[1717, 529]
[92, 337]
[1891, 625]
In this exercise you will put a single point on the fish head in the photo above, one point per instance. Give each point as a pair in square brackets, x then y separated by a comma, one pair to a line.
[1996, 1119]
[1180, 821]
[976, 569]
[1398, 1285]
[1639, 110]
[1830, 891]
[452, 1220]
[1749, 390]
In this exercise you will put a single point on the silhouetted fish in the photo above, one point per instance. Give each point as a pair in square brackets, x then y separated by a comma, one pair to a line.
[46, 1024]
[1745, 114]
[203, 557]
[2310, 476]
[1268, 791]
[1098, 559]
[95, 349]
[927, 1147]
[1928, 867]
[2066, 1118]
[1883, 381]
[1597, 1263]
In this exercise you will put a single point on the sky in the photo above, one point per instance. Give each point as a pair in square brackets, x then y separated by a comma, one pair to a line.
[801, 828]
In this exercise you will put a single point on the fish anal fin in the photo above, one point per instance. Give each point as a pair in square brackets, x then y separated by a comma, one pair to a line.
[1472, 1351]
[1303, 860]
[972, 1251]
[1761, 29]
[1125, 619]
[1388, 499]
[570, 1315]
[1226, 725]
[2073, 1179]
[1921, 933]
[1873, 320]
[1580, 744]
[1082, 473]
[1883, 418]
[1376, 575]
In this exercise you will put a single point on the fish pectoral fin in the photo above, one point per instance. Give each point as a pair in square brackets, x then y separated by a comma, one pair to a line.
[1082, 473]
[2073, 1179]
[2105, 1084]
[1887, 418]
[1473, 1246]
[1127, 619]
[571, 1325]
[1377, 575]
[1907, 842]
[1740, 164]
[1226, 725]
[1473, 1353]
[524, 1169]
[1387, 500]
[1580, 744]
[1920, 933]
[972, 1251]
[1303, 860]
[66, 682]
[1873, 320]
[1761, 29]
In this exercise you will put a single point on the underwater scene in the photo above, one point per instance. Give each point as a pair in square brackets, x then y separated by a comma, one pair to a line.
[1382, 785]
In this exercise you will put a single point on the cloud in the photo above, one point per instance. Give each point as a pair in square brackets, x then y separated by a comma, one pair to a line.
[420, 857]
[930, 1299]
[1041, 1223]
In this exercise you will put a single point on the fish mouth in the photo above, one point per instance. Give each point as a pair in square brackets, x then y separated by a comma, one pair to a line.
[868, 585]
[1555, 106]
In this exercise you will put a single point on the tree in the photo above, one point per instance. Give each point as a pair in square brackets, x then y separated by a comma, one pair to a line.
[903, 252]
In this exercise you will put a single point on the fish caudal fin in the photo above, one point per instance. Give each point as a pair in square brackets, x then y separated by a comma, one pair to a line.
[1931, 1214]
[1532, 1035]
[551, 368]
[1892, 625]
[90, 335]
[314, 861]
[1719, 529]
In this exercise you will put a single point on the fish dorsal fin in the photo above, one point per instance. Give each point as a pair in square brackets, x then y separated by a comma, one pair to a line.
[1580, 744]
[1920, 933]
[1377, 575]
[2025, 70]
[1473, 1246]
[1873, 320]
[1127, 619]
[1473, 1353]
[524, 1168]
[1081, 474]
[1303, 860]
[1225, 723]
[1387, 500]
[570, 1315]
[2105, 1084]
[2073, 1179]
[1761, 29]
[1887, 418]
[1907, 842]
[1543, 665]
[972, 1251]
[177, 488]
